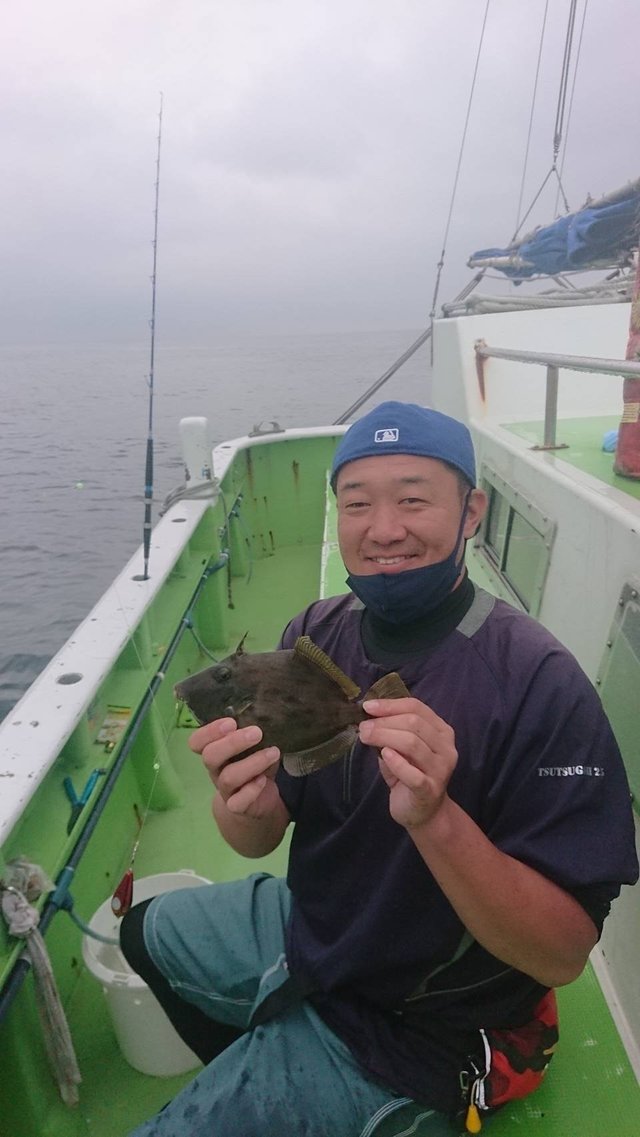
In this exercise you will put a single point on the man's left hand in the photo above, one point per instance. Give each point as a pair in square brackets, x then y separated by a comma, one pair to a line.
[417, 756]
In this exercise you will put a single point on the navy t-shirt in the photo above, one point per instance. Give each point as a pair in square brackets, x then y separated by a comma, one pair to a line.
[389, 964]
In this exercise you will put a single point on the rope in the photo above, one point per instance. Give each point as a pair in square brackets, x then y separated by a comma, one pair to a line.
[21, 883]
[457, 175]
[186, 493]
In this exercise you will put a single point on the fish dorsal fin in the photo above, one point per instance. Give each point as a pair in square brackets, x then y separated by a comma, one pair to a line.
[391, 686]
[306, 649]
[240, 648]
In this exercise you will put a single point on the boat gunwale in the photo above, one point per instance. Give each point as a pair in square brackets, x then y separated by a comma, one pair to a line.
[52, 710]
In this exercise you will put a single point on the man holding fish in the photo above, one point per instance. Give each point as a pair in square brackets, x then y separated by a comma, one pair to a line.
[442, 878]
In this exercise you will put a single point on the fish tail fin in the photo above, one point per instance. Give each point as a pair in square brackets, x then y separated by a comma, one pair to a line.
[390, 686]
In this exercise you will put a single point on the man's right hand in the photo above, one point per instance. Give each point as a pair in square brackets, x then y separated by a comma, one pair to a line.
[246, 785]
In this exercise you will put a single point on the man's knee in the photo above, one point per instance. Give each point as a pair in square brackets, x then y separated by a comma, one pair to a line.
[132, 942]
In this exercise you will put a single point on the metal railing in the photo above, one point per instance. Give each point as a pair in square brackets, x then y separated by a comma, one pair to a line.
[553, 364]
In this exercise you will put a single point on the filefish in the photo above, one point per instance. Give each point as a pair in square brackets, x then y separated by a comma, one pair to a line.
[303, 703]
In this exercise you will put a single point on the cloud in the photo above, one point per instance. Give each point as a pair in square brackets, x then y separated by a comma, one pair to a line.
[308, 157]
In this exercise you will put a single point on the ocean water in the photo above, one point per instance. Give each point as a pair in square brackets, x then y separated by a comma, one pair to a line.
[74, 426]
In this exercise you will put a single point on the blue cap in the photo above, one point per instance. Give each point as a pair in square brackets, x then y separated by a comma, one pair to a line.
[407, 428]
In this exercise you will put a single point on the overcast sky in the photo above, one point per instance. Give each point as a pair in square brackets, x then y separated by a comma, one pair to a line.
[308, 155]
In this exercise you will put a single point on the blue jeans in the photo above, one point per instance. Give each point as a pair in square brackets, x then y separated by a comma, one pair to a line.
[222, 948]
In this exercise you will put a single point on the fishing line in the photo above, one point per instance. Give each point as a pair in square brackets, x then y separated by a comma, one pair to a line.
[122, 898]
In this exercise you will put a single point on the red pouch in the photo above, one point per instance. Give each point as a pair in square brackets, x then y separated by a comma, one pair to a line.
[515, 1062]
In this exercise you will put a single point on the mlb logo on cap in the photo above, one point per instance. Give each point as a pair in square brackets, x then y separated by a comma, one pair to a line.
[406, 428]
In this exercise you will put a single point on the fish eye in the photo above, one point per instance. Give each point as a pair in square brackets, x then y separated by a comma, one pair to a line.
[221, 674]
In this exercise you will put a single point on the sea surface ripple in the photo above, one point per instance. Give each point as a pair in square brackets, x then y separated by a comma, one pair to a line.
[74, 427]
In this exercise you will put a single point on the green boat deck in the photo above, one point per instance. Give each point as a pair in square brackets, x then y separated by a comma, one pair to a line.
[583, 439]
[591, 1089]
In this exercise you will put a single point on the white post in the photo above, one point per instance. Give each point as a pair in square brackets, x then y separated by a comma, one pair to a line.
[196, 451]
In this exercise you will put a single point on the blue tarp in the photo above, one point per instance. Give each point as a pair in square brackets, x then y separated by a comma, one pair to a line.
[577, 241]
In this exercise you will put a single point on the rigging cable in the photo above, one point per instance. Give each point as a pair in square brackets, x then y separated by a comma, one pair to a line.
[559, 123]
[346, 415]
[573, 89]
[457, 174]
[402, 359]
[148, 488]
[564, 79]
[533, 105]
[424, 336]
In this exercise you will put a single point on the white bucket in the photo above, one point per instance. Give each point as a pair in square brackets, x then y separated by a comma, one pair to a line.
[145, 1036]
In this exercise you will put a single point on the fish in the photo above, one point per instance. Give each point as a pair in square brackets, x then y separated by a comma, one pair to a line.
[301, 700]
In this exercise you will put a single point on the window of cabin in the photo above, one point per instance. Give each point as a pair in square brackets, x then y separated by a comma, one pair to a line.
[618, 680]
[515, 542]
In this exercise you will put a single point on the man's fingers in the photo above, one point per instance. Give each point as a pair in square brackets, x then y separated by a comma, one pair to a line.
[407, 742]
[218, 744]
[399, 770]
[410, 733]
[381, 708]
[244, 798]
[233, 775]
[211, 732]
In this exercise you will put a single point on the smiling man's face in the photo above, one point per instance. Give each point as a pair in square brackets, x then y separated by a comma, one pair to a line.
[399, 511]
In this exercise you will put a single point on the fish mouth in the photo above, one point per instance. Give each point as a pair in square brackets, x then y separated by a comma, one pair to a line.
[182, 703]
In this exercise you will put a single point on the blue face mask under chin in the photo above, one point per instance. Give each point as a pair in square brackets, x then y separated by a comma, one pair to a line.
[401, 597]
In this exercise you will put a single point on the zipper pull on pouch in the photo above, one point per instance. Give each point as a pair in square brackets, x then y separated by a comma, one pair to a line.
[473, 1122]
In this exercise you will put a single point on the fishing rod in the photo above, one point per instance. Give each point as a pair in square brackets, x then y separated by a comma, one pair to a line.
[148, 479]
[60, 899]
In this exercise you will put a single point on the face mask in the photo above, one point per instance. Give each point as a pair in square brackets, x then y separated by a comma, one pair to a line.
[404, 596]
